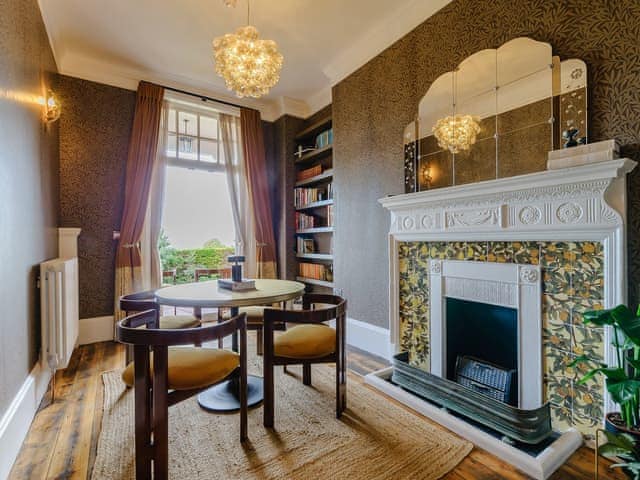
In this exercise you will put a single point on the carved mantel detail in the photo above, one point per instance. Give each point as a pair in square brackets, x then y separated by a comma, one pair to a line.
[562, 199]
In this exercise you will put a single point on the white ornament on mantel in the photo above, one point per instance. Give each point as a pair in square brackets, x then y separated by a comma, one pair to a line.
[583, 154]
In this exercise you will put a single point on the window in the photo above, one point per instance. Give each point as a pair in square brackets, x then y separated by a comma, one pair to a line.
[193, 139]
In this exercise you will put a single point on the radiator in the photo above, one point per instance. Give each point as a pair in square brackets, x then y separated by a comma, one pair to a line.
[59, 307]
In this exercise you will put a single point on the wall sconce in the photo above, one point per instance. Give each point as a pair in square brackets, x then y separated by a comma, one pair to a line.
[51, 108]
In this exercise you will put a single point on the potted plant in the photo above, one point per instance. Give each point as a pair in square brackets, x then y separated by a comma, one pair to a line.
[622, 447]
[623, 379]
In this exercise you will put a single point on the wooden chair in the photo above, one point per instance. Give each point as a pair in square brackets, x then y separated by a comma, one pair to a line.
[309, 342]
[222, 272]
[163, 376]
[141, 301]
[169, 274]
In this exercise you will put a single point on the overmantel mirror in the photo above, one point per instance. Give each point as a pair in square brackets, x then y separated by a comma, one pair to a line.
[497, 115]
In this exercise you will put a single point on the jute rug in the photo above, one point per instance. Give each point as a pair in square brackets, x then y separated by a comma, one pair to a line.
[374, 439]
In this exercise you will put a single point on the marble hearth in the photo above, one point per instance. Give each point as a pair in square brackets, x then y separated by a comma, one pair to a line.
[550, 244]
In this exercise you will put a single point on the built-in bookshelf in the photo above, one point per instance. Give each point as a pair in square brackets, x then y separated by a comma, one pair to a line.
[314, 205]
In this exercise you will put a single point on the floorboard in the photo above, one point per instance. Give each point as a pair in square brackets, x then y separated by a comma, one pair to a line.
[62, 440]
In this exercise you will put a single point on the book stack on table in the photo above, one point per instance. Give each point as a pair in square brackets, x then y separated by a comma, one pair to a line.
[243, 285]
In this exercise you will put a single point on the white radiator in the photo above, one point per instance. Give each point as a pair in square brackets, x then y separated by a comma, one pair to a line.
[59, 305]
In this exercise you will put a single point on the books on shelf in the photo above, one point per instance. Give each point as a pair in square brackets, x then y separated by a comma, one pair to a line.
[309, 173]
[304, 221]
[305, 196]
[315, 271]
[244, 284]
[305, 245]
[329, 215]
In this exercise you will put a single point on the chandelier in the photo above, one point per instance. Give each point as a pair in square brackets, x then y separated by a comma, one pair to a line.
[249, 65]
[456, 133]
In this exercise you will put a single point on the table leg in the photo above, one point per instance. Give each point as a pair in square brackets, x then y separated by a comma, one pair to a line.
[224, 397]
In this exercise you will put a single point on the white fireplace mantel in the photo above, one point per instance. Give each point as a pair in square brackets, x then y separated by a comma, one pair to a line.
[579, 203]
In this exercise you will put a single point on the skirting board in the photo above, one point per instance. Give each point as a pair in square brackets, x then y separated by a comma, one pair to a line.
[540, 467]
[15, 423]
[367, 337]
[96, 329]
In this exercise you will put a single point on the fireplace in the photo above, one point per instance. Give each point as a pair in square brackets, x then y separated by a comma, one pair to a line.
[492, 312]
[486, 335]
[503, 244]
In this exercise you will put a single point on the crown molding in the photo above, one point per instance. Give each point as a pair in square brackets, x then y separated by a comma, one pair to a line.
[381, 36]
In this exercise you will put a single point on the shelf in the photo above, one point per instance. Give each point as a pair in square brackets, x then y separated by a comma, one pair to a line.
[316, 230]
[321, 203]
[314, 154]
[326, 175]
[314, 129]
[313, 281]
[315, 256]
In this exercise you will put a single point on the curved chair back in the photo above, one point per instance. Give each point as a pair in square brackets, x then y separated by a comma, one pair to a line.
[139, 302]
[309, 314]
[128, 331]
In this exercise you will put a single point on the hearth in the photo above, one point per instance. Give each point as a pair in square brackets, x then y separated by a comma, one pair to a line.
[527, 426]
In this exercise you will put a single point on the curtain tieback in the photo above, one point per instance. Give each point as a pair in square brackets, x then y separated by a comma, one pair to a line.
[130, 245]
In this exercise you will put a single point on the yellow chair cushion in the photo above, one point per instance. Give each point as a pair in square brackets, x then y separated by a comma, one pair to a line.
[192, 367]
[254, 315]
[305, 341]
[179, 321]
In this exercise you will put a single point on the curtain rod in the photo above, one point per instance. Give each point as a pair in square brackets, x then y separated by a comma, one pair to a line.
[204, 97]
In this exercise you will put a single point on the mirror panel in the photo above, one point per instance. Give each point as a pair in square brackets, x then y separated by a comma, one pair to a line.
[525, 103]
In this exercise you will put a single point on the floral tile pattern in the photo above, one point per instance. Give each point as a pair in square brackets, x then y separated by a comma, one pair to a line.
[573, 282]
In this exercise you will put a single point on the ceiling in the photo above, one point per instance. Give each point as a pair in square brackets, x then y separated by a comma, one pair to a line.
[120, 42]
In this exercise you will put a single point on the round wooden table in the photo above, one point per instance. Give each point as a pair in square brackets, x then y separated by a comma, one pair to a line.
[224, 396]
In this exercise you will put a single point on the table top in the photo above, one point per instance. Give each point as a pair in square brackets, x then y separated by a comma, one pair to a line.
[209, 295]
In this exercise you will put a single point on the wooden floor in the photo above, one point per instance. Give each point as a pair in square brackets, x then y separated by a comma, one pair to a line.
[61, 443]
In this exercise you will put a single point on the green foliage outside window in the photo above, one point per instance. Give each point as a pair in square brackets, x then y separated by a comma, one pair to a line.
[213, 255]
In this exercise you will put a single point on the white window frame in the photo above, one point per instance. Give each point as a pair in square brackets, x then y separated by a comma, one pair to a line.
[175, 161]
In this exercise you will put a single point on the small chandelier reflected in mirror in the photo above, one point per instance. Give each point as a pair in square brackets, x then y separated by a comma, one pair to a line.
[249, 65]
[456, 133]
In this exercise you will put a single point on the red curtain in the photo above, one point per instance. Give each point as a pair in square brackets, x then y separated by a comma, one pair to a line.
[140, 165]
[256, 171]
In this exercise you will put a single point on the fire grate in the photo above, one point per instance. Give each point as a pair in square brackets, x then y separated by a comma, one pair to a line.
[486, 378]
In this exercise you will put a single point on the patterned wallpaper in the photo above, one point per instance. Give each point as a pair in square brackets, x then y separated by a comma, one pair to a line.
[94, 139]
[372, 106]
[573, 282]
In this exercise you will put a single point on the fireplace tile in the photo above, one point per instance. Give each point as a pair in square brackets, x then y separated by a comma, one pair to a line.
[557, 281]
[581, 305]
[556, 361]
[526, 252]
[588, 401]
[556, 308]
[588, 341]
[500, 252]
[478, 250]
[558, 255]
[558, 390]
[557, 336]
[437, 250]
[586, 425]
[560, 418]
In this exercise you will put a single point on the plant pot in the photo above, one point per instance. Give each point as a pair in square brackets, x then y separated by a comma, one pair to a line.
[613, 423]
